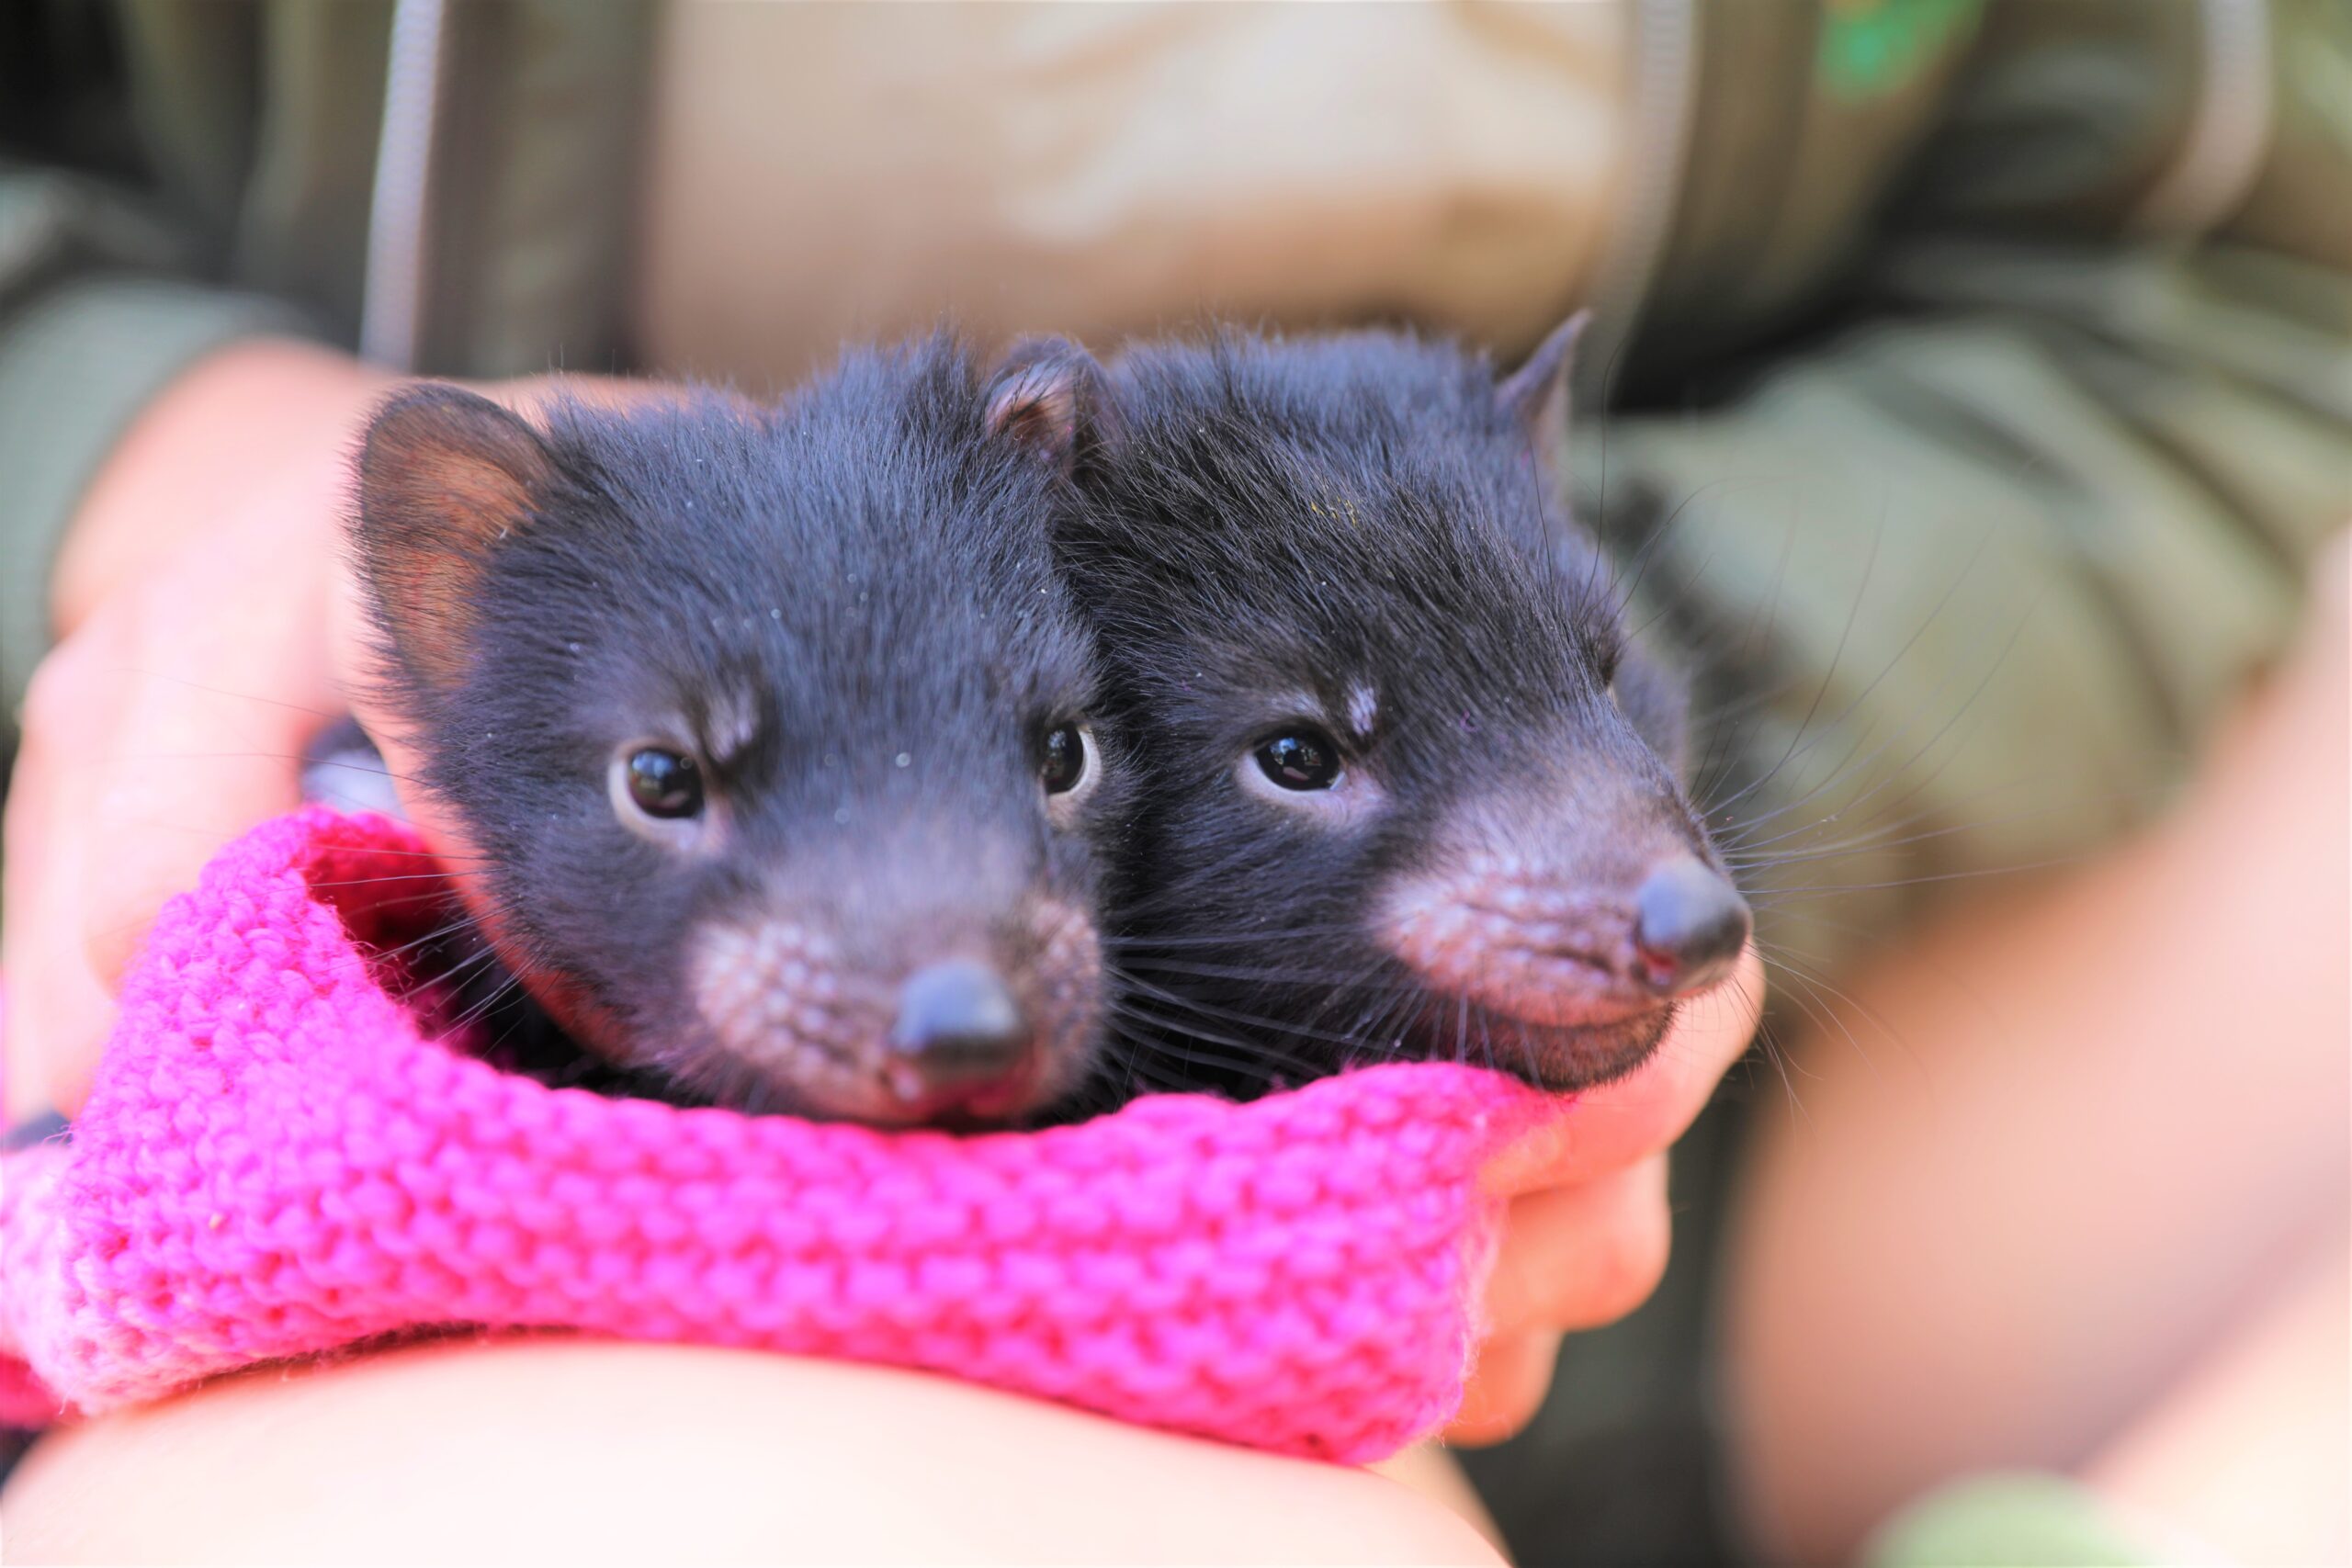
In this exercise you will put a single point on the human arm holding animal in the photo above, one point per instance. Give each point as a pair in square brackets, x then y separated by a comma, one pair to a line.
[200, 646]
[204, 633]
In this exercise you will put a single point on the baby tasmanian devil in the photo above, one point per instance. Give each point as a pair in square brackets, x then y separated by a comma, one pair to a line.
[760, 739]
[1407, 789]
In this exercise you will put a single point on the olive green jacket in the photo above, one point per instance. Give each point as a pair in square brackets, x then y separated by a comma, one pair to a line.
[1976, 376]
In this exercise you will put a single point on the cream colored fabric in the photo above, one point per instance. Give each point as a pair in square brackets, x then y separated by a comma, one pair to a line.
[822, 172]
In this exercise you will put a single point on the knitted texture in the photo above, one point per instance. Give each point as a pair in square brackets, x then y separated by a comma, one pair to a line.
[278, 1160]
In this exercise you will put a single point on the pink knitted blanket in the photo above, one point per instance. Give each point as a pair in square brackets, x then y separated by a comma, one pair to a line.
[277, 1161]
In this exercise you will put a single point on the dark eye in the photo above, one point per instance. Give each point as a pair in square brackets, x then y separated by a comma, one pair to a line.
[664, 784]
[1063, 764]
[1305, 759]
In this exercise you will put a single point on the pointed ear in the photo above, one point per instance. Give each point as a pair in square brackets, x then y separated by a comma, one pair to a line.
[442, 476]
[1049, 397]
[1536, 397]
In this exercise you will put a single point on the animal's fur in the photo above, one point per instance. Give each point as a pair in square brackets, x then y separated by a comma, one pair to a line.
[846, 604]
[1315, 530]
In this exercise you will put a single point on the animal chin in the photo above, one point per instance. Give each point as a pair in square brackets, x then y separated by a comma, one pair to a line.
[1568, 1057]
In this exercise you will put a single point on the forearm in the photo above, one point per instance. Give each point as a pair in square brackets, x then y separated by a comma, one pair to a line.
[566, 1452]
[2049, 1152]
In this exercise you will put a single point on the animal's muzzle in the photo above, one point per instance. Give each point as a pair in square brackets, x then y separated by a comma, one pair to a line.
[971, 1025]
[1534, 943]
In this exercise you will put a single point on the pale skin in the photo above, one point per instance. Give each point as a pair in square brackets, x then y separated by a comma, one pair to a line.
[554, 1451]
[208, 630]
[2073, 1193]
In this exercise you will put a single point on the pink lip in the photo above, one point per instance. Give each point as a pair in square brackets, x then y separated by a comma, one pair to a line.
[1564, 1008]
[981, 1105]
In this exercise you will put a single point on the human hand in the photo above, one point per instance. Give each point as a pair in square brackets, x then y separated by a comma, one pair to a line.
[208, 629]
[1586, 1237]
[204, 640]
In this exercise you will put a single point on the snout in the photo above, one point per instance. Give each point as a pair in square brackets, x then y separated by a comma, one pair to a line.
[941, 1023]
[1572, 969]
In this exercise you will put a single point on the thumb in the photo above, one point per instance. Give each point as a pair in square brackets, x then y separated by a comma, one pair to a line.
[169, 723]
[187, 771]
[222, 689]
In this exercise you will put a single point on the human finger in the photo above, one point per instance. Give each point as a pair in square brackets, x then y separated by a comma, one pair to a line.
[1583, 1256]
[1621, 1122]
[1507, 1385]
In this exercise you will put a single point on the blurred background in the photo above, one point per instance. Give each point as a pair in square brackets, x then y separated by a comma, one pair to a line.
[1968, 404]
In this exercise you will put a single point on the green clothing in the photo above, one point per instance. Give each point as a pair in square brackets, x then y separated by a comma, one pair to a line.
[2021, 1520]
[1949, 289]
[1978, 396]
[1995, 445]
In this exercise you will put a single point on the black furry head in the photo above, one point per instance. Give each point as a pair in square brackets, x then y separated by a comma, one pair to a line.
[771, 729]
[1407, 788]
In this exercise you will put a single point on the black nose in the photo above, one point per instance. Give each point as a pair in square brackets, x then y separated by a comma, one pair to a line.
[1691, 923]
[960, 1031]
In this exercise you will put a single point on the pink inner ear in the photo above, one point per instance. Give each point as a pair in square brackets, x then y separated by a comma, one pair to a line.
[1536, 398]
[444, 473]
[1529, 390]
[1038, 407]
